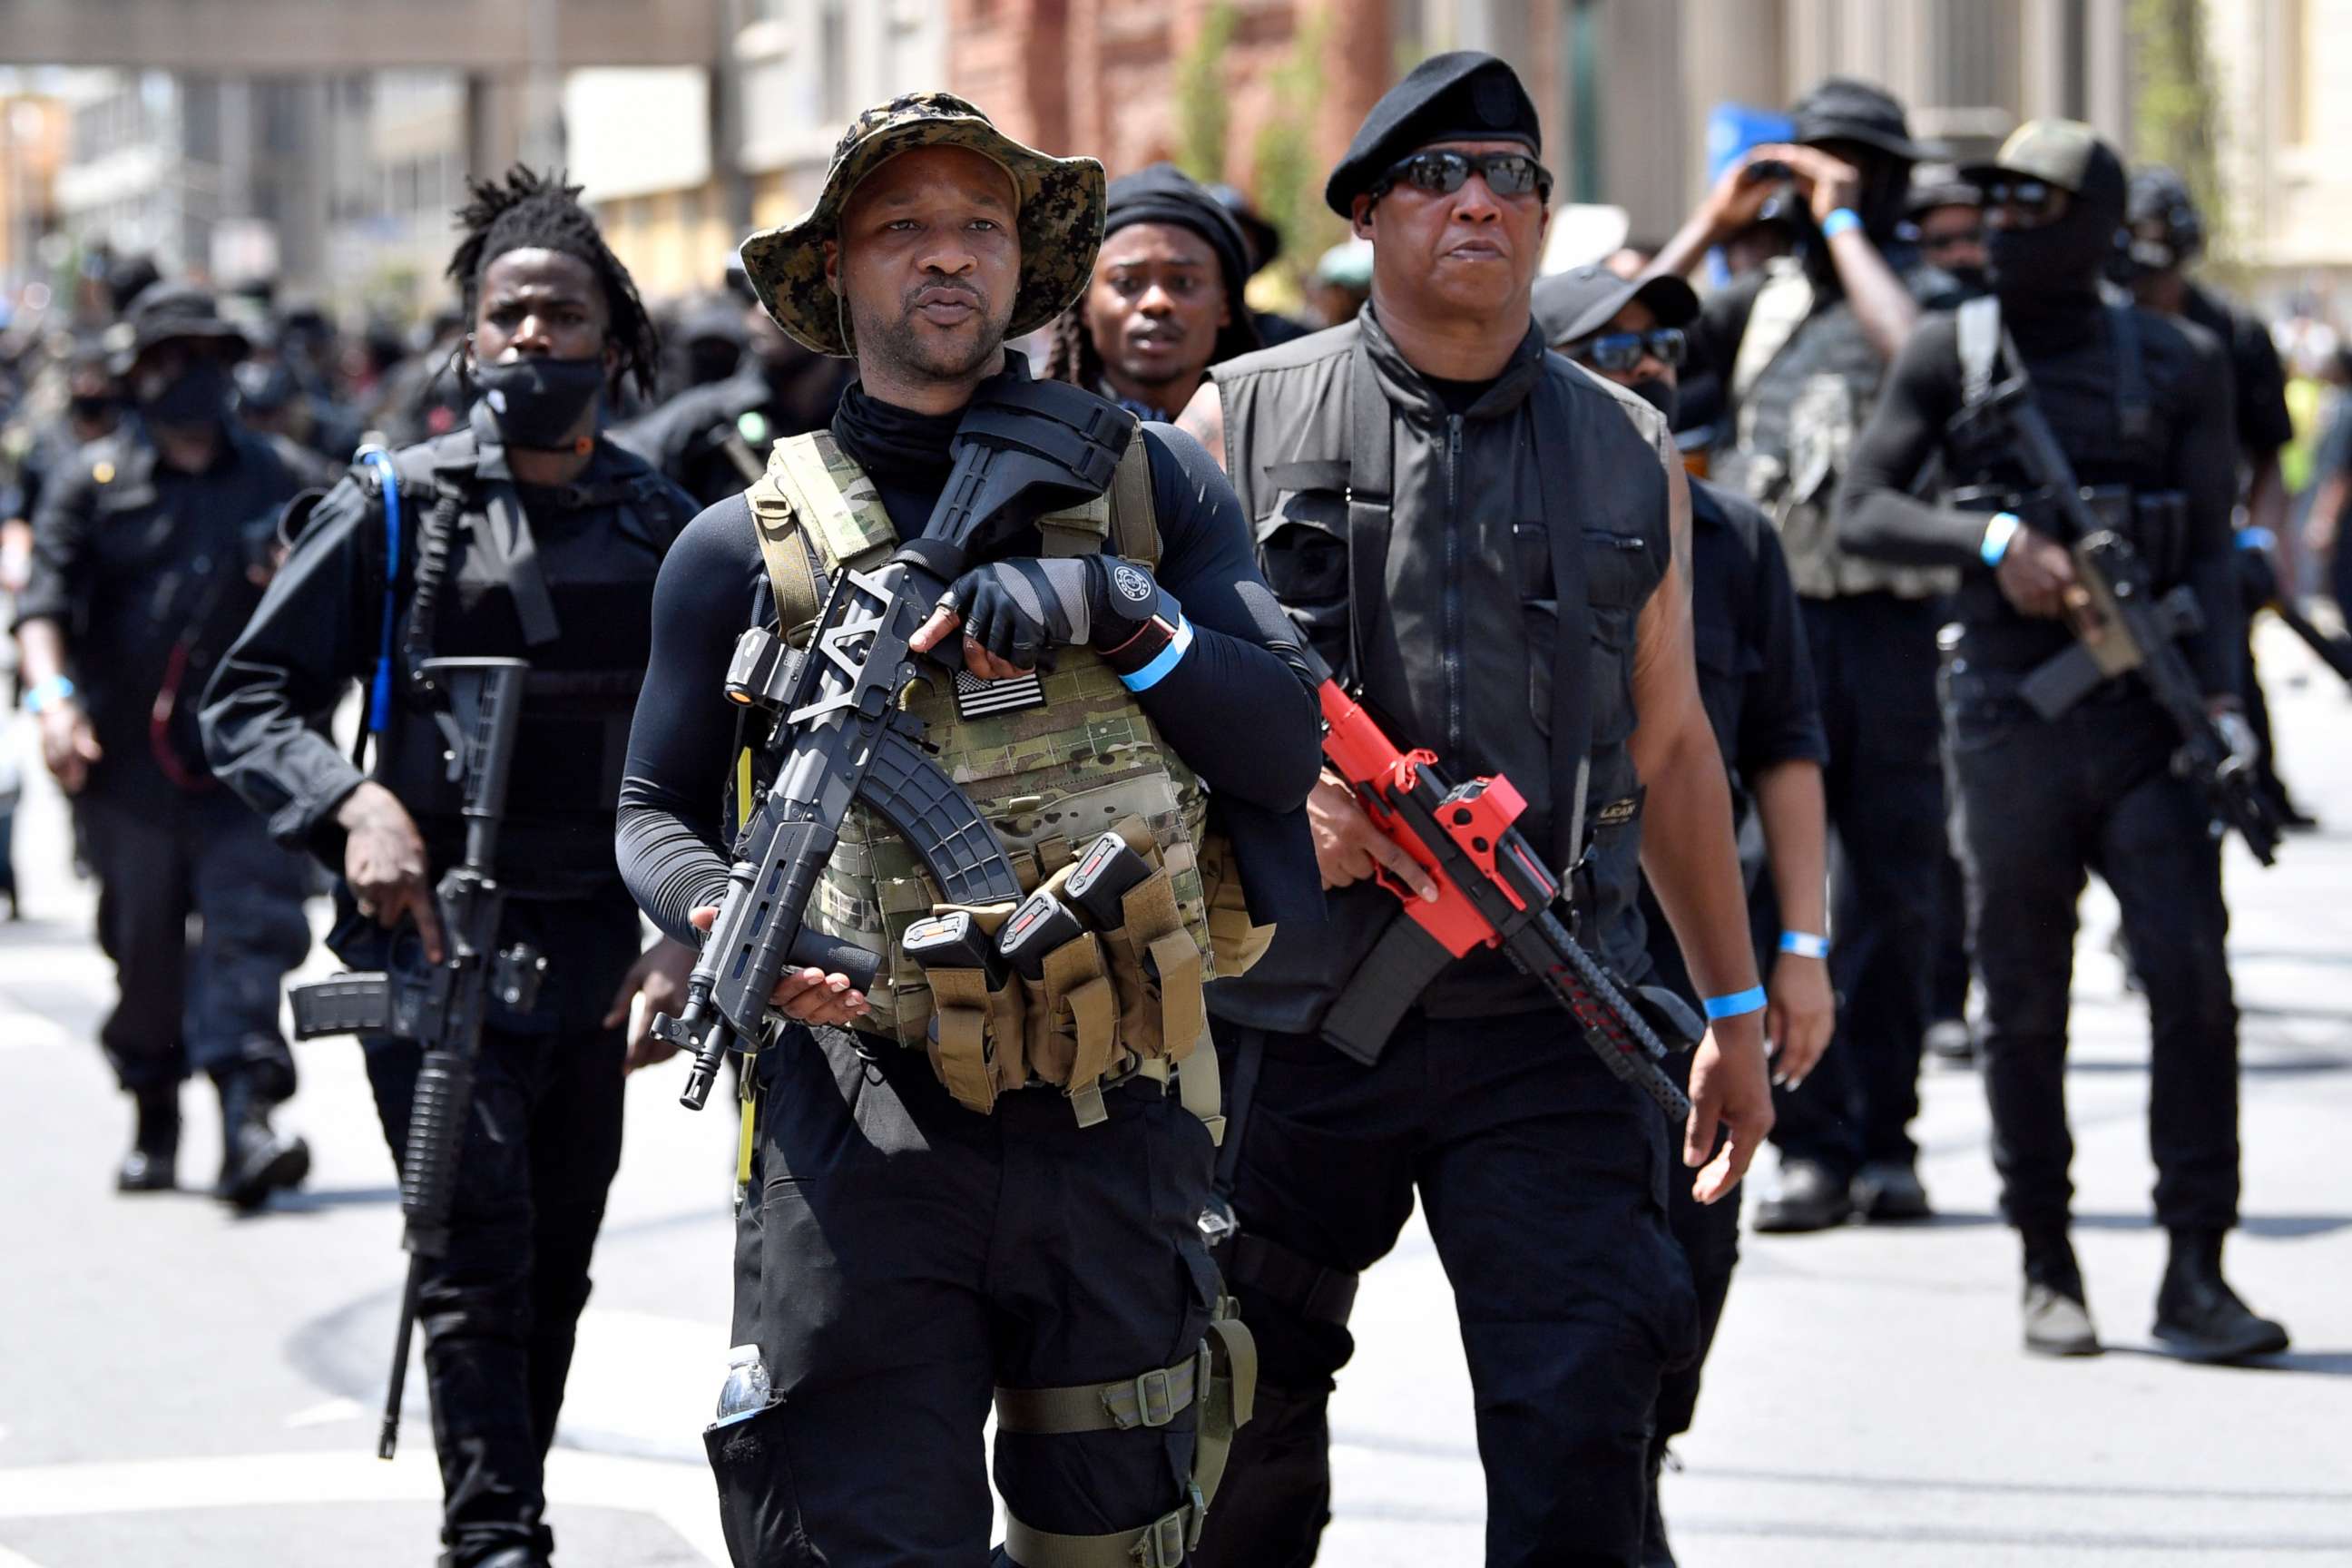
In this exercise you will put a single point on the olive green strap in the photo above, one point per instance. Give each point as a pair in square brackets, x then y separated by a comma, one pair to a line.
[1152, 1400]
[1163, 1543]
[1134, 529]
[1200, 1088]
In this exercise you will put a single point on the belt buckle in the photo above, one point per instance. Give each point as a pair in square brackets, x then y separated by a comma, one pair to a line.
[1155, 1398]
[1162, 1545]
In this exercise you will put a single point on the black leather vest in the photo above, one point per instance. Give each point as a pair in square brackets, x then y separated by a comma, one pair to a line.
[1456, 642]
[594, 548]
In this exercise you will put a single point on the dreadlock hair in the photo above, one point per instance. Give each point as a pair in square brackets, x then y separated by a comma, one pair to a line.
[1070, 353]
[531, 211]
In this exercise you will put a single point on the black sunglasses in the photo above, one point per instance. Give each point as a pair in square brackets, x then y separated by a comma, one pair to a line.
[1619, 352]
[2036, 199]
[1443, 173]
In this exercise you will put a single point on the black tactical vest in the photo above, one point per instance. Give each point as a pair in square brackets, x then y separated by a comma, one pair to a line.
[1448, 607]
[592, 548]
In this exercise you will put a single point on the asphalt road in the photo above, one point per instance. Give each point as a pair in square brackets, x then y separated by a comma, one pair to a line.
[181, 1387]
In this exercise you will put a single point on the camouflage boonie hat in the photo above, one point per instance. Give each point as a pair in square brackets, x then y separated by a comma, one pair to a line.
[1060, 223]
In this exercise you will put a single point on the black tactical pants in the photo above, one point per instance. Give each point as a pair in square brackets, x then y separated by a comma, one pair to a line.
[904, 1256]
[1874, 660]
[211, 1006]
[1545, 1182]
[501, 1308]
[2036, 804]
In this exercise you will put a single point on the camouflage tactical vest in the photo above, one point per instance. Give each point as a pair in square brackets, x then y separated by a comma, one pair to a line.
[1050, 777]
[1805, 381]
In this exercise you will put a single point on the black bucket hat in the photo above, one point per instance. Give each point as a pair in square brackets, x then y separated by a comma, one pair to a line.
[1847, 109]
[168, 312]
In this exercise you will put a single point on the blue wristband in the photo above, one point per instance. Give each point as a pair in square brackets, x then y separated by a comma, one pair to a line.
[1165, 660]
[1997, 535]
[1839, 221]
[1737, 1005]
[1805, 943]
[2254, 537]
[56, 688]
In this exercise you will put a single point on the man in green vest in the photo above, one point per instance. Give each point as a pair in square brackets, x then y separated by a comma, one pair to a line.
[970, 1179]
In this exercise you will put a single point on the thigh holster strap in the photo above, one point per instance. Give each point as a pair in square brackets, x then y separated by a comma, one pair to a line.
[1222, 1377]
[1313, 1290]
[1152, 1400]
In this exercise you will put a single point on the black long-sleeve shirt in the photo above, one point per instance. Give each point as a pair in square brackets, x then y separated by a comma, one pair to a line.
[1232, 708]
[2071, 360]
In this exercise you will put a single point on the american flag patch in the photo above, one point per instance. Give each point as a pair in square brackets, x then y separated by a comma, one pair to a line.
[977, 698]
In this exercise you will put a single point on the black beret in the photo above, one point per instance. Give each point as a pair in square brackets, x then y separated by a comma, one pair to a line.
[1464, 96]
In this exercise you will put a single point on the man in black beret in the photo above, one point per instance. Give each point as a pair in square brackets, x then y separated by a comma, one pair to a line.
[1800, 347]
[1492, 549]
[1165, 299]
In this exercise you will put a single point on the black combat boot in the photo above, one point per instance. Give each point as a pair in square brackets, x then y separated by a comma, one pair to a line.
[2057, 1310]
[2198, 1316]
[1807, 1198]
[256, 1158]
[1886, 1190]
[154, 1145]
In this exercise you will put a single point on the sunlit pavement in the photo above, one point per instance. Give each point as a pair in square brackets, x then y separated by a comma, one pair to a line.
[179, 1388]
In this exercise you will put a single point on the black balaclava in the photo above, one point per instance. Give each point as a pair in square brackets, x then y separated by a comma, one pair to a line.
[2057, 268]
[198, 395]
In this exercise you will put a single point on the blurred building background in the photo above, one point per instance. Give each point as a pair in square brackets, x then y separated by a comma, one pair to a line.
[322, 143]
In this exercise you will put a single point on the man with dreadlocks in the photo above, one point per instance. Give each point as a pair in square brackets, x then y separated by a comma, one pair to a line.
[526, 535]
[1165, 300]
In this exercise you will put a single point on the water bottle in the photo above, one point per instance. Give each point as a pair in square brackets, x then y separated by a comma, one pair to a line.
[745, 1392]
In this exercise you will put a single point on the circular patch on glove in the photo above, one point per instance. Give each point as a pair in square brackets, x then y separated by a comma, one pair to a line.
[1131, 584]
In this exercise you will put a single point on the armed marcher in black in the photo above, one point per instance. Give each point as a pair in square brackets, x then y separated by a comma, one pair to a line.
[987, 1169]
[150, 547]
[523, 535]
[1800, 347]
[1409, 478]
[2139, 404]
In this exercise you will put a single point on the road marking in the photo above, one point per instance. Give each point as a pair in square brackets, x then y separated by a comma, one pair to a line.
[677, 1495]
[327, 1414]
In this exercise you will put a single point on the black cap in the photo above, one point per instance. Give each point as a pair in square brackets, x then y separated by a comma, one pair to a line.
[1846, 109]
[1575, 304]
[165, 312]
[1265, 240]
[1464, 96]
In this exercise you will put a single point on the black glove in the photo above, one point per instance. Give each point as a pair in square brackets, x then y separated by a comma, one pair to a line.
[1018, 609]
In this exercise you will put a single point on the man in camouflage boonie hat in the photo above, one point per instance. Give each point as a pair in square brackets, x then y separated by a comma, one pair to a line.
[1059, 223]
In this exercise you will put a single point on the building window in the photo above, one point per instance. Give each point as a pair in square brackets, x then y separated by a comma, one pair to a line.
[832, 61]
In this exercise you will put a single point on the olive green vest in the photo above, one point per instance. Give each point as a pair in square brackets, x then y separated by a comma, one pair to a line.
[1049, 778]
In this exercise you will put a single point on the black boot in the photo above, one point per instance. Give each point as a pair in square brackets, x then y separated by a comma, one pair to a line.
[256, 1158]
[1807, 1198]
[2056, 1308]
[2198, 1316]
[154, 1145]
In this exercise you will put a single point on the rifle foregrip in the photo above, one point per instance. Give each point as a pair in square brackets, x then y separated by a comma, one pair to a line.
[436, 1131]
[836, 956]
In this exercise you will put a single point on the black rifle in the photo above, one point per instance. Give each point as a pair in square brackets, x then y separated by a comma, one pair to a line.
[2265, 591]
[2122, 626]
[441, 1009]
[838, 735]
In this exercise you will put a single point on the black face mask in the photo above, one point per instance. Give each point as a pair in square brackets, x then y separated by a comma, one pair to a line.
[2062, 259]
[1660, 394]
[91, 410]
[1975, 279]
[539, 401]
[197, 395]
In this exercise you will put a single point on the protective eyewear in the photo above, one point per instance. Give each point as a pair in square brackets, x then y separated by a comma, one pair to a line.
[2036, 201]
[1443, 173]
[1619, 352]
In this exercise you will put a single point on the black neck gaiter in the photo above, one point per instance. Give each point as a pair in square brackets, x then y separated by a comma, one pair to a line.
[893, 443]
